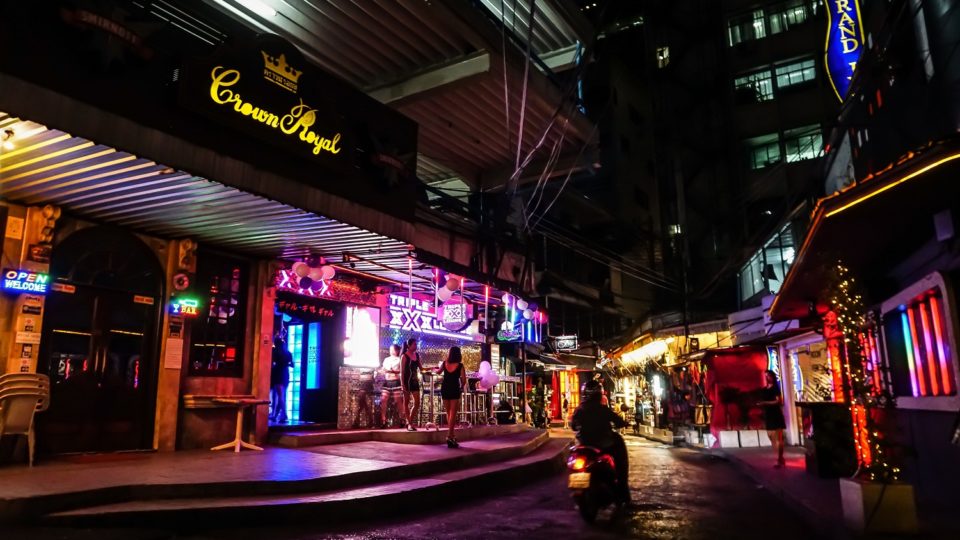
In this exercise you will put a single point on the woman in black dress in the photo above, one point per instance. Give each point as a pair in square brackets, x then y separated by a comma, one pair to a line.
[410, 382]
[451, 389]
[772, 402]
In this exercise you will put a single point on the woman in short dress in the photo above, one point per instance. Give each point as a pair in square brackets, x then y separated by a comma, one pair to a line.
[451, 389]
[391, 386]
[772, 402]
[410, 382]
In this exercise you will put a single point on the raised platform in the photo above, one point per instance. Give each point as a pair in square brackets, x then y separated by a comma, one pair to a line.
[301, 439]
[156, 486]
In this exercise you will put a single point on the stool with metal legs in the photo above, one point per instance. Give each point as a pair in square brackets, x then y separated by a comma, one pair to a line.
[430, 393]
[466, 409]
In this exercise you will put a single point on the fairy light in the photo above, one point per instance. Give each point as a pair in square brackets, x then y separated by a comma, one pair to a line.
[859, 358]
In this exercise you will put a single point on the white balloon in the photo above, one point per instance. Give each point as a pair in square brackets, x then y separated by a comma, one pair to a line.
[506, 298]
[527, 314]
[522, 304]
[453, 284]
[444, 294]
[485, 368]
[301, 269]
[491, 379]
[327, 272]
[315, 274]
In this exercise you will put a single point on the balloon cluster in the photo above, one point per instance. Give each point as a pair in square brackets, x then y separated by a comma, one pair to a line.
[488, 377]
[444, 293]
[527, 309]
[309, 277]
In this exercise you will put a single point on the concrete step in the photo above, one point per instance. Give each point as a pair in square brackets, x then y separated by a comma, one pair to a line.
[338, 505]
[300, 439]
[407, 462]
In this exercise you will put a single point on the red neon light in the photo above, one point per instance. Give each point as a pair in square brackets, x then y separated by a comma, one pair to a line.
[859, 415]
[928, 345]
[875, 358]
[938, 333]
[916, 352]
[833, 356]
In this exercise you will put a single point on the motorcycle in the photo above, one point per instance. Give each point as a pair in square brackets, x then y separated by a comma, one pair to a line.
[592, 481]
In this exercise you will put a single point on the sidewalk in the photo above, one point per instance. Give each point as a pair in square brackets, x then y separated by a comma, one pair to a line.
[53, 486]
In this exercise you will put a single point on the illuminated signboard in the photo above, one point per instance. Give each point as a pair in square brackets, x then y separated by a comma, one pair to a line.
[187, 307]
[455, 314]
[415, 315]
[567, 343]
[845, 42]
[25, 281]
[514, 334]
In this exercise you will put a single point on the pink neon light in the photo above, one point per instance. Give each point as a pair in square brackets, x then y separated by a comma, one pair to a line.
[916, 352]
[875, 358]
[928, 345]
[944, 361]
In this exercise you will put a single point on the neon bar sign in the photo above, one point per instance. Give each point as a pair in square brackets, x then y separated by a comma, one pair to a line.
[844, 43]
[25, 281]
[415, 315]
[928, 358]
[188, 307]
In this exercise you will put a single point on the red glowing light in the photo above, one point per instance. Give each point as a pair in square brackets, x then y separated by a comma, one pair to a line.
[579, 463]
[916, 352]
[928, 346]
[938, 334]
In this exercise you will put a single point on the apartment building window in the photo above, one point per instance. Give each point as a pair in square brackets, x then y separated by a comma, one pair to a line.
[790, 14]
[663, 57]
[763, 151]
[802, 143]
[755, 87]
[774, 19]
[768, 267]
[795, 73]
[746, 27]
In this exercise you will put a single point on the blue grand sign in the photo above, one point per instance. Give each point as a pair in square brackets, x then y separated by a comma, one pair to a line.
[845, 42]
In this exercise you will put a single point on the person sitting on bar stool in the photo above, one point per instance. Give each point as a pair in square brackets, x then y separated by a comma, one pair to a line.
[505, 413]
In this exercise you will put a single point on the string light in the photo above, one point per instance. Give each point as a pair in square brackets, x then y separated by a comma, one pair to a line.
[862, 393]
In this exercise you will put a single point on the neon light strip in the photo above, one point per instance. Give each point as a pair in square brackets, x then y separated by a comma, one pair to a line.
[875, 358]
[928, 345]
[938, 332]
[909, 346]
[917, 359]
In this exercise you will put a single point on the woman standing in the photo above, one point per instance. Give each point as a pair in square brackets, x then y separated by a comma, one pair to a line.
[391, 387]
[410, 382]
[280, 364]
[772, 402]
[451, 389]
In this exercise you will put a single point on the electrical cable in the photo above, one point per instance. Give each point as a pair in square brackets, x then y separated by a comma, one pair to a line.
[523, 98]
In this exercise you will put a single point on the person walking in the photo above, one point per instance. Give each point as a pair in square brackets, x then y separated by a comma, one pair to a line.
[280, 363]
[451, 390]
[410, 382]
[772, 402]
[391, 385]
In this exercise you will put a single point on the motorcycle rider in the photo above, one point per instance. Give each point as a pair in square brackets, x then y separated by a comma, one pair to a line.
[594, 423]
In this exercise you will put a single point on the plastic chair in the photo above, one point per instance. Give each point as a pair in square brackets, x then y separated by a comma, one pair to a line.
[28, 381]
[18, 407]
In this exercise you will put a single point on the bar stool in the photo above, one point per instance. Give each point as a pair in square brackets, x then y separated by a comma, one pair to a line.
[432, 394]
[464, 415]
[481, 410]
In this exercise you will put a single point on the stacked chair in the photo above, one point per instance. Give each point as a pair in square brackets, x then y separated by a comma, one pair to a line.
[21, 396]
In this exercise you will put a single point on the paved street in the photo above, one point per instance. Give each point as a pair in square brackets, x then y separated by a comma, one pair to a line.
[677, 493]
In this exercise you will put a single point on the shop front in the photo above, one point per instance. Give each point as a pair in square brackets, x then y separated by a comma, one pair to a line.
[153, 211]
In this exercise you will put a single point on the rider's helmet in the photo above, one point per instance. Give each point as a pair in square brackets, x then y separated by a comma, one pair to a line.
[591, 391]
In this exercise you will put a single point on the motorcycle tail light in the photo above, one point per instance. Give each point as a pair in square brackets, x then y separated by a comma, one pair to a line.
[579, 463]
[608, 460]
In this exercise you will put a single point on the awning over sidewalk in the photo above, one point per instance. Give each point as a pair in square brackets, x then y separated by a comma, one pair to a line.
[97, 182]
[871, 226]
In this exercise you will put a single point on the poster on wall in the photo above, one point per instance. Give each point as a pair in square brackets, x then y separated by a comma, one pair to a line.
[815, 378]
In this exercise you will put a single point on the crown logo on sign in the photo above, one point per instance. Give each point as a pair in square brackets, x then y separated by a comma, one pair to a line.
[277, 70]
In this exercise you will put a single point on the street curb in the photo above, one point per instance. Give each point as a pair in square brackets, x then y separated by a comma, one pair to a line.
[31, 508]
[823, 528]
[383, 505]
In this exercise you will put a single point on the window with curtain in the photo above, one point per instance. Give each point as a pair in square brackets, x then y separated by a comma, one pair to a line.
[746, 27]
[787, 15]
[217, 334]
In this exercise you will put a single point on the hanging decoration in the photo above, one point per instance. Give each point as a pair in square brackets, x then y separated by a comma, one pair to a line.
[863, 396]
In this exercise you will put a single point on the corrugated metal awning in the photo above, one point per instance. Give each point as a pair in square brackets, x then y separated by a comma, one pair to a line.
[97, 182]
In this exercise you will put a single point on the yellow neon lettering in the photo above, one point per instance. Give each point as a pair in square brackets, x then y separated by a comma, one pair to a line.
[843, 5]
[297, 122]
[853, 67]
[849, 45]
